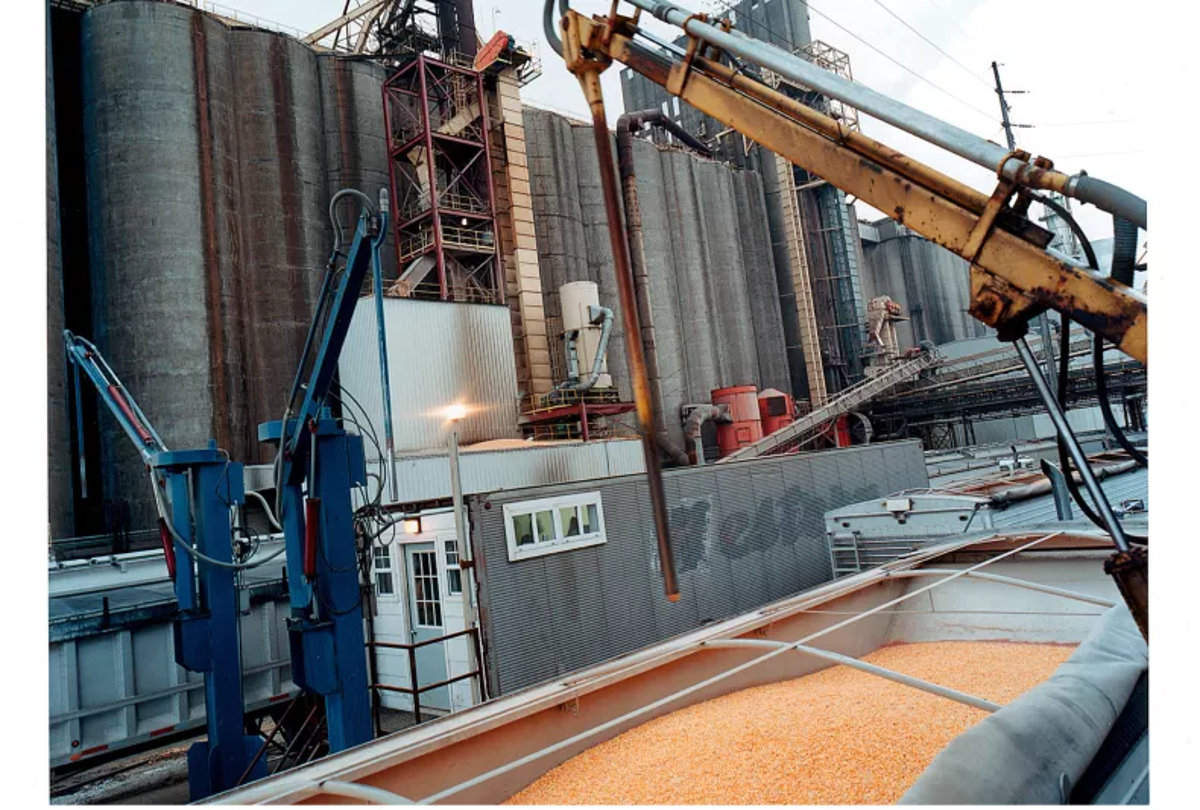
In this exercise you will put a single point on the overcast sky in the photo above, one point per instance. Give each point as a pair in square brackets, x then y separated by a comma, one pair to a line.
[1083, 106]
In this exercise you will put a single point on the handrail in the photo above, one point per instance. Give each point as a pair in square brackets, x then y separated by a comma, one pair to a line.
[415, 690]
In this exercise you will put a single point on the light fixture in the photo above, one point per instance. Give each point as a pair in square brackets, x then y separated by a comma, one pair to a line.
[412, 525]
[455, 412]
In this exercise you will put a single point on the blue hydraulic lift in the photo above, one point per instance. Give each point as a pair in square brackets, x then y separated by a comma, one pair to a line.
[199, 494]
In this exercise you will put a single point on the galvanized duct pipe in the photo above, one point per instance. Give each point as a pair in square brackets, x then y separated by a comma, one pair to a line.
[695, 422]
[605, 315]
[627, 124]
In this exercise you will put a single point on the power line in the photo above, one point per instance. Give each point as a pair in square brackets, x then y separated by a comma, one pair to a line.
[1090, 123]
[900, 65]
[953, 21]
[1105, 154]
[933, 44]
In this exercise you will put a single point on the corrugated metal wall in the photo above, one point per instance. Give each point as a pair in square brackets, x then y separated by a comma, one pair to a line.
[439, 353]
[744, 535]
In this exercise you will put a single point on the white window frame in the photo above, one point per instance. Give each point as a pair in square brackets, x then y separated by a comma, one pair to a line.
[392, 571]
[561, 541]
[455, 566]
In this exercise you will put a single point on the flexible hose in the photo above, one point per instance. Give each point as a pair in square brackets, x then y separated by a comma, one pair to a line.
[266, 508]
[1064, 456]
[1110, 421]
[336, 220]
[1125, 240]
[195, 553]
[1107, 197]
[550, 23]
[1124, 255]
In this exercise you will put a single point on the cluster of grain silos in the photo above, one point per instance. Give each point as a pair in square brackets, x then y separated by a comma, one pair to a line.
[708, 257]
[211, 154]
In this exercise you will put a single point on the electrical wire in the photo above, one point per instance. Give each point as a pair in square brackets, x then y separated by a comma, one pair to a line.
[194, 552]
[934, 45]
[901, 65]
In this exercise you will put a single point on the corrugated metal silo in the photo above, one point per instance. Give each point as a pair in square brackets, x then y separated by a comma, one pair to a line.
[728, 294]
[58, 419]
[355, 137]
[284, 222]
[695, 310]
[156, 95]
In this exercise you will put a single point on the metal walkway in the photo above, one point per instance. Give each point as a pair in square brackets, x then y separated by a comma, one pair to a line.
[844, 402]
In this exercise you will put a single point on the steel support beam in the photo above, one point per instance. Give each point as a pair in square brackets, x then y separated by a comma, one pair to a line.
[861, 666]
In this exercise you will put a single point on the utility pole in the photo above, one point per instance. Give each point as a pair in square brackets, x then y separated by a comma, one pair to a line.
[1043, 319]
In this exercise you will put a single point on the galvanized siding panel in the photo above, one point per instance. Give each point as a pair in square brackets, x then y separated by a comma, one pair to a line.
[626, 574]
[694, 524]
[778, 556]
[516, 597]
[438, 353]
[743, 534]
[577, 611]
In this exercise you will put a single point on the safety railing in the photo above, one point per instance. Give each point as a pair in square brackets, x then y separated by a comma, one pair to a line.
[415, 689]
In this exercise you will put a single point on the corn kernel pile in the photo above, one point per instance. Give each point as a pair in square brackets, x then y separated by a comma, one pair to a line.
[838, 736]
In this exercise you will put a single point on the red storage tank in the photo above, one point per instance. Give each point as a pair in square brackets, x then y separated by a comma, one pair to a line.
[776, 409]
[746, 427]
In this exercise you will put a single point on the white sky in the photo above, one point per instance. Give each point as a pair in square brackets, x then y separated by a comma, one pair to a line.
[1075, 57]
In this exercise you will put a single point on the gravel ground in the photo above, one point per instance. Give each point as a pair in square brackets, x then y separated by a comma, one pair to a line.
[838, 736]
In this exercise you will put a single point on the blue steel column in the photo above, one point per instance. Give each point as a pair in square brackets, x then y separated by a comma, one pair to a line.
[341, 466]
[325, 631]
[206, 485]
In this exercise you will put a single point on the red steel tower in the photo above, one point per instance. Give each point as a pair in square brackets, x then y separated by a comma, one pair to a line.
[444, 213]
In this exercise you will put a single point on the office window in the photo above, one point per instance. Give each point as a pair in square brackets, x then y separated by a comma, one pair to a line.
[453, 571]
[550, 525]
[381, 565]
[675, 105]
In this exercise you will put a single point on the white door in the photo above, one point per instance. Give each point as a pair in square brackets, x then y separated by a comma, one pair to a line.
[428, 622]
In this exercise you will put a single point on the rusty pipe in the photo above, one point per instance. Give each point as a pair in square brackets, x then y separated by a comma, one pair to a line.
[627, 124]
[588, 73]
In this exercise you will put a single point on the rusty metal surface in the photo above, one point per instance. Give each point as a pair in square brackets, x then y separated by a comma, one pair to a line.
[211, 156]
[588, 73]
[942, 211]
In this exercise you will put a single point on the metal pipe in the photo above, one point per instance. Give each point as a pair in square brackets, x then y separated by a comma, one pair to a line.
[389, 441]
[1058, 487]
[1077, 454]
[590, 82]
[627, 124]
[606, 316]
[367, 793]
[295, 738]
[695, 423]
[962, 143]
[1018, 583]
[707, 682]
[862, 666]
[461, 545]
